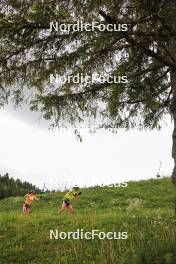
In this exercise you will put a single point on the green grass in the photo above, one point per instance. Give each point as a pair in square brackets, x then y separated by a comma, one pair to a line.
[144, 209]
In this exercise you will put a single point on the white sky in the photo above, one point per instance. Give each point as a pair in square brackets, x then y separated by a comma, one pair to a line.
[31, 152]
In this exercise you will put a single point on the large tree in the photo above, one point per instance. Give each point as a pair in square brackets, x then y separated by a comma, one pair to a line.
[145, 53]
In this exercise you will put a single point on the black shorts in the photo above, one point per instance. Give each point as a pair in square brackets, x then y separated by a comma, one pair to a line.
[66, 202]
[27, 206]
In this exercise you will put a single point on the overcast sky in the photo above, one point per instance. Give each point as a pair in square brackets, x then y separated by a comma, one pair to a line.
[31, 152]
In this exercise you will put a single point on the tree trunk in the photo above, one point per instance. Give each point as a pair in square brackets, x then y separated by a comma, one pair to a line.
[173, 113]
[172, 48]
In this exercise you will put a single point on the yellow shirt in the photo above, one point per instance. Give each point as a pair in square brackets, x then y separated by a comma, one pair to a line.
[70, 195]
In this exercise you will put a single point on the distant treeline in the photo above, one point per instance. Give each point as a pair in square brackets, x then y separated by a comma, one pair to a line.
[11, 187]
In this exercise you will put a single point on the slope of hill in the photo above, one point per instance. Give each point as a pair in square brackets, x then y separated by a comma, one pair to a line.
[144, 210]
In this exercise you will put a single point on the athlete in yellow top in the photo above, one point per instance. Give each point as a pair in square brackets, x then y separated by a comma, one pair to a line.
[72, 194]
[28, 199]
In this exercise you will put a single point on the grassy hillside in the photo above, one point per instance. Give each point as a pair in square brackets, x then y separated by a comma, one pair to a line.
[144, 209]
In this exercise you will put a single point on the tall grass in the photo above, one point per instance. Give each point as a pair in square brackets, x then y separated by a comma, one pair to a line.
[143, 209]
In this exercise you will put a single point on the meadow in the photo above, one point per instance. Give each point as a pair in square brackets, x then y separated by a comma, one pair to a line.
[145, 210]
